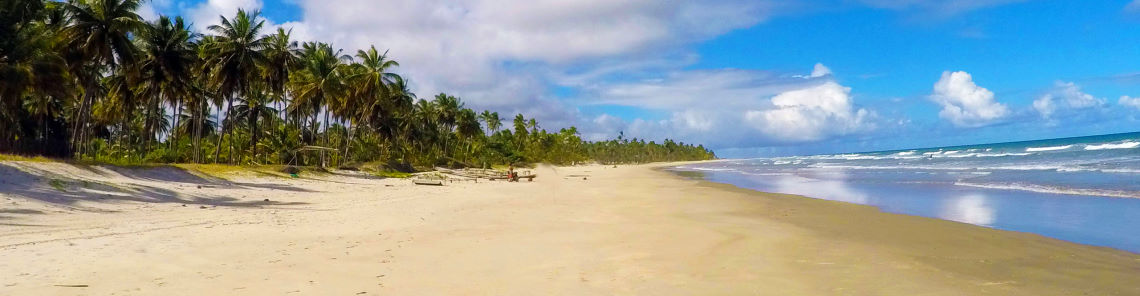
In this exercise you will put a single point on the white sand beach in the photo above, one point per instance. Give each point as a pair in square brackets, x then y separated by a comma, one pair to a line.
[588, 230]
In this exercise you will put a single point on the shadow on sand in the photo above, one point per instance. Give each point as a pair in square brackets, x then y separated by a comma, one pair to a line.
[51, 188]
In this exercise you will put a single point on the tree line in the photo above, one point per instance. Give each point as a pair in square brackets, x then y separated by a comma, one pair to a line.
[90, 79]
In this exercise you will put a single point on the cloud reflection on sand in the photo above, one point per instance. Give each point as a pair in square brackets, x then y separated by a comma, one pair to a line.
[970, 208]
[832, 188]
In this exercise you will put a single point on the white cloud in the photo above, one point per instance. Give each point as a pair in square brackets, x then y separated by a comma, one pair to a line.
[1065, 95]
[505, 54]
[820, 71]
[1132, 7]
[964, 103]
[1128, 101]
[150, 10]
[809, 114]
[738, 108]
[209, 12]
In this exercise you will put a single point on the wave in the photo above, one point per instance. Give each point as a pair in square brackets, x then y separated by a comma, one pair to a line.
[1052, 148]
[705, 169]
[1053, 189]
[1125, 145]
[906, 153]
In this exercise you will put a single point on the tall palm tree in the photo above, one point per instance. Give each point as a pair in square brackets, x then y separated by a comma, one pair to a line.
[492, 120]
[30, 67]
[370, 81]
[321, 80]
[467, 128]
[281, 57]
[251, 109]
[166, 64]
[99, 34]
[234, 58]
[533, 125]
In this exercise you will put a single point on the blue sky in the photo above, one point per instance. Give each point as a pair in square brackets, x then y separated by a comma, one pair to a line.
[755, 78]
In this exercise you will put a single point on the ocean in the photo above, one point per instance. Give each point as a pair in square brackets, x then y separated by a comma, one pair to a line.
[1083, 189]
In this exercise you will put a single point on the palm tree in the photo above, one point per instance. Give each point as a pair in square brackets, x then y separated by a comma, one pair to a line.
[99, 34]
[492, 120]
[533, 125]
[467, 128]
[370, 80]
[168, 57]
[281, 57]
[234, 58]
[321, 80]
[30, 67]
[251, 109]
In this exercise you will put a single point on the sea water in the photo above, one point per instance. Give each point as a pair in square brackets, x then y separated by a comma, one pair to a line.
[1084, 189]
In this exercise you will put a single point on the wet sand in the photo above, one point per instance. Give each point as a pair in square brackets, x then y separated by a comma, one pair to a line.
[632, 230]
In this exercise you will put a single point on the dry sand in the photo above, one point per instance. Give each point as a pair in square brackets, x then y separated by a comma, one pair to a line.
[627, 231]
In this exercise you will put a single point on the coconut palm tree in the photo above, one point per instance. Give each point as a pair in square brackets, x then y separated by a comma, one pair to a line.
[367, 102]
[467, 128]
[252, 108]
[233, 58]
[321, 80]
[492, 120]
[281, 57]
[165, 66]
[370, 82]
[99, 35]
[30, 68]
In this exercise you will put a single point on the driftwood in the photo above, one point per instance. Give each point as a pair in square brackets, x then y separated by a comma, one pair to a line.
[428, 182]
[489, 174]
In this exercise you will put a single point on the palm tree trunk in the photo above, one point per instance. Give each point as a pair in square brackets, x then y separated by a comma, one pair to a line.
[253, 134]
[221, 132]
[324, 156]
[197, 117]
[347, 142]
[230, 129]
[148, 125]
[177, 115]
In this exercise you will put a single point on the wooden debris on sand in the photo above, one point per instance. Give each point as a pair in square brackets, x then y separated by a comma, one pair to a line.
[488, 174]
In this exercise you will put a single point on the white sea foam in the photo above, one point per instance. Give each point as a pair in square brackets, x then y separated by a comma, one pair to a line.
[1124, 145]
[706, 169]
[1052, 148]
[1053, 189]
[906, 153]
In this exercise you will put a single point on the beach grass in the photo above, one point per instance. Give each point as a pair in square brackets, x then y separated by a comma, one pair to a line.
[13, 157]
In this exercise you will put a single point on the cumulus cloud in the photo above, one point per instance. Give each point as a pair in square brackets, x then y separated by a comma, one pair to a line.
[820, 70]
[1067, 96]
[471, 46]
[209, 12]
[964, 103]
[1128, 101]
[809, 114]
[739, 108]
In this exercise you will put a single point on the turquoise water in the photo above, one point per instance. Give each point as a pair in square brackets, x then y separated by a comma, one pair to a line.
[1084, 189]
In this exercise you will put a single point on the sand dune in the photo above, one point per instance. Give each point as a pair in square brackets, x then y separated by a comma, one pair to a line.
[67, 230]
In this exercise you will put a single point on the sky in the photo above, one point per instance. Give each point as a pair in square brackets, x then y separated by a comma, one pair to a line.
[751, 78]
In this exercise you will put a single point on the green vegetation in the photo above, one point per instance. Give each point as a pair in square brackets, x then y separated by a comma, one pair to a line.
[58, 184]
[90, 80]
[392, 174]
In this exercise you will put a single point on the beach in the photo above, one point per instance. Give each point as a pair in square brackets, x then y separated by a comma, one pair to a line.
[583, 230]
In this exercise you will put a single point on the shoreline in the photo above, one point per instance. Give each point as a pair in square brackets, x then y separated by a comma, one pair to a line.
[629, 230]
[734, 187]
